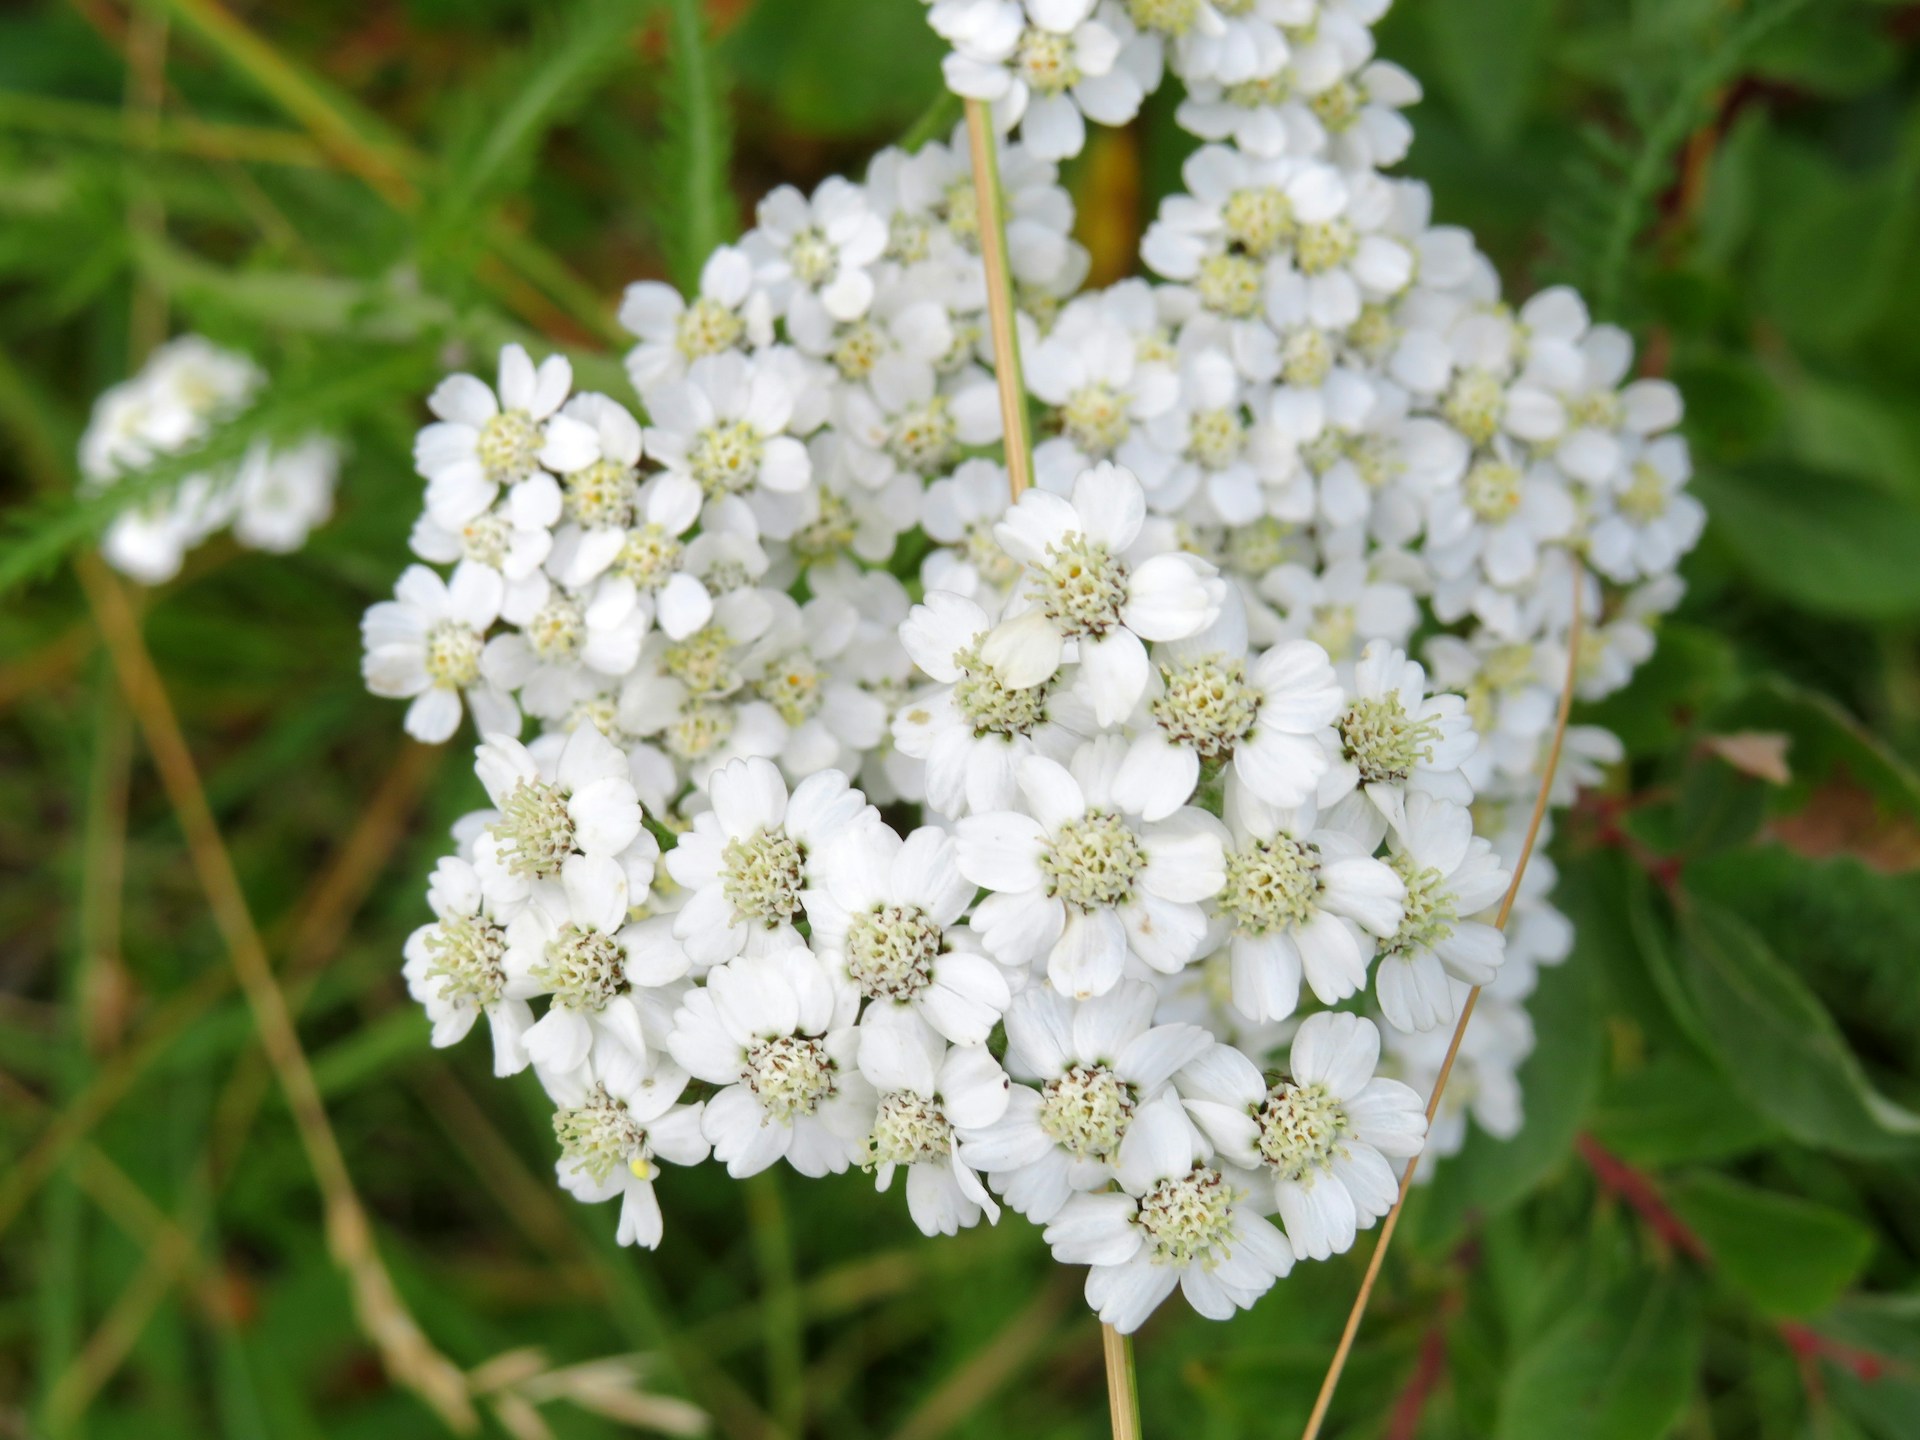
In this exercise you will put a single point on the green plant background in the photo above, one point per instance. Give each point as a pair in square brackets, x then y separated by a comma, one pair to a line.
[1710, 1224]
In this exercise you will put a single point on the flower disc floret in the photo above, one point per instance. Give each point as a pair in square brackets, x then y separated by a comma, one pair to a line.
[1093, 861]
[1258, 219]
[1272, 884]
[649, 558]
[910, 1128]
[582, 968]
[890, 951]
[1493, 490]
[703, 662]
[600, 496]
[1306, 358]
[453, 655]
[706, 327]
[1215, 438]
[1338, 106]
[1082, 586]
[601, 1135]
[762, 876]
[1045, 61]
[1207, 703]
[534, 834]
[859, 349]
[508, 446]
[812, 257]
[1169, 17]
[989, 706]
[1188, 1219]
[1086, 1111]
[725, 458]
[1430, 911]
[1301, 1127]
[701, 727]
[1474, 404]
[465, 952]
[790, 1075]
[1324, 246]
[925, 439]
[1645, 499]
[794, 688]
[1378, 735]
[1095, 418]
[1230, 284]
[557, 629]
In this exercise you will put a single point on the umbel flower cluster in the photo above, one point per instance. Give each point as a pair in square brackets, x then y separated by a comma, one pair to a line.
[272, 498]
[1104, 854]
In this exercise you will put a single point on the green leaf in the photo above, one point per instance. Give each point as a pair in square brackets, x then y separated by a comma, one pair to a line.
[1620, 1367]
[1487, 56]
[797, 60]
[1788, 1255]
[1823, 541]
[1778, 1045]
[1673, 1109]
[695, 150]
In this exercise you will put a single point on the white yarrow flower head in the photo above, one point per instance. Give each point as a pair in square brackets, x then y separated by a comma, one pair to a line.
[1095, 579]
[931, 1095]
[1097, 1062]
[455, 967]
[776, 1032]
[1394, 739]
[1450, 874]
[482, 441]
[575, 797]
[615, 1130]
[1177, 1220]
[1321, 1136]
[426, 645]
[1080, 882]
[731, 312]
[725, 425]
[753, 862]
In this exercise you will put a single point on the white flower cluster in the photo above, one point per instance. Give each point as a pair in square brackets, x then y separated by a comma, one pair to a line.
[273, 498]
[1172, 817]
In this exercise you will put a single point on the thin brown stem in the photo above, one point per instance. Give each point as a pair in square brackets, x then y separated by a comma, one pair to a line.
[1391, 1223]
[1123, 1386]
[993, 260]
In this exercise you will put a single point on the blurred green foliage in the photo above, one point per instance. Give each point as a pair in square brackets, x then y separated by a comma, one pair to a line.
[1710, 1225]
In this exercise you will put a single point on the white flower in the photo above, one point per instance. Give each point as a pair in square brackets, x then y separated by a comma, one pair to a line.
[480, 443]
[776, 1032]
[1092, 579]
[1396, 740]
[574, 797]
[1098, 1062]
[1302, 896]
[1449, 874]
[581, 951]
[891, 923]
[1341, 606]
[815, 253]
[930, 1096]
[960, 511]
[426, 643]
[973, 732]
[1047, 67]
[1090, 368]
[651, 556]
[729, 313]
[725, 425]
[563, 644]
[1177, 1220]
[1648, 521]
[1080, 882]
[282, 494]
[454, 967]
[1498, 519]
[1322, 1135]
[1483, 1084]
[613, 1130]
[752, 861]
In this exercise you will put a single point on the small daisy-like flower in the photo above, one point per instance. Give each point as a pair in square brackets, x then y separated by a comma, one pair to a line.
[513, 538]
[930, 1095]
[563, 644]
[960, 511]
[891, 922]
[482, 442]
[1302, 897]
[776, 1033]
[1340, 265]
[580, 950]
[1395, 740]
[282, 493]
[1647, 521]
[1483, 1085]
[751, 863]
[455, 967]
[973, 732]
[1089, 368]
[1498, 518]
[815, 253]
[1322, 1135]
[729, 313]
[1267, 716]
[581, 801]
[613, 1132]
[1341, 606]
[1449, 874]
[1092, 579]
[1081, 881]
[1177, 1220]
[1098, 1062]
[426, 643]
[725, 426]
[652, 556]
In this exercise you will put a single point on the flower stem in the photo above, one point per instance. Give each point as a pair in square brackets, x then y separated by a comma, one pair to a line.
[1123, 1385]
[1339, 1363]
[993, 259]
